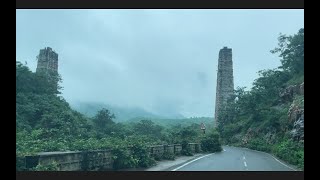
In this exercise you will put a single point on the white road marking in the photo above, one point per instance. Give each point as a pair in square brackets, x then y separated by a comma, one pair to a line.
[245, 164]
[191, 162]
[273, 158]
[224, 150]
[283, 163]
[244, 158]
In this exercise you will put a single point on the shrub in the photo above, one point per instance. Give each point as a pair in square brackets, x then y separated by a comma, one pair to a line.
[211, 143]
[186, 150]
[291, 152]
[157, 157]
[259, 144]
[123, 159]
[20, 163]
[50, 167]
[141, 153]
[168, 155]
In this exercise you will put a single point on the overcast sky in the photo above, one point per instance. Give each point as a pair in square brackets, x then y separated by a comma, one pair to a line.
[159, 60]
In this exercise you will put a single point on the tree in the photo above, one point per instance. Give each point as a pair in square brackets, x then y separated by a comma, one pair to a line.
[148, 128]
[291, 49]
[38, 83]
[103, 119]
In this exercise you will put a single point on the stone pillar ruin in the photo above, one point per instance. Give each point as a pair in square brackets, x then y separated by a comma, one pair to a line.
[225, 84]
[47, 61]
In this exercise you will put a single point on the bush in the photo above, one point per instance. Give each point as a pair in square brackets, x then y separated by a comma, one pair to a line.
[157, 157]
[186, 150]
[291, 152]
[168, 155]
[20, 163]
[259, 144]
[141, 153]
[123, 159]
[211, 143]
[50, 167]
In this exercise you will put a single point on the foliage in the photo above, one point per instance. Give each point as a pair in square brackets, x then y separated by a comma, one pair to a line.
[252, 114]
[186, 149]
[20, 163]
[290, 152]
[140, 151]
[259, 144]
[38, 83]
[147, 128]
[123, 158]
[211, 143]
[50, 167]
[168, 156]
[103, 118]
[291, 49]
[182, 122]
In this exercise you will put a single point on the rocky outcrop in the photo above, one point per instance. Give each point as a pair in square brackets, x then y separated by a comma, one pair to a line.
[296, 116]
[270, 137]
[249, 135]
[288, 93]
[297, 132]
[294, 112]
[301, 89]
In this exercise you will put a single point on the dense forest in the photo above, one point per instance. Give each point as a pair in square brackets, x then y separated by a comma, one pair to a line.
[270, 116]
[45, 122]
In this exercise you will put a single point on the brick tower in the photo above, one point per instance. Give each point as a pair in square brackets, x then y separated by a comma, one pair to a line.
[47, 61]
[225, 85]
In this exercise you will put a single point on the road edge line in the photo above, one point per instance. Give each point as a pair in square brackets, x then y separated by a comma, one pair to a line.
[282, 163]
[191, 162]
[272, 157]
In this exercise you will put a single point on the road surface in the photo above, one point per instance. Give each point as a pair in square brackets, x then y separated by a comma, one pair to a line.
[234, 159]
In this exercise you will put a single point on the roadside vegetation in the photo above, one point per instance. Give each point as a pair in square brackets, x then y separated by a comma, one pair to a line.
[259, 118]
[45, 122]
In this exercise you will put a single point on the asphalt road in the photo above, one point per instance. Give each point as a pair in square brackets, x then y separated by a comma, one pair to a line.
[234, 159]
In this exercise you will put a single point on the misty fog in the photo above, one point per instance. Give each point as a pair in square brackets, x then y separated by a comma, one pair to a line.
[162, 61]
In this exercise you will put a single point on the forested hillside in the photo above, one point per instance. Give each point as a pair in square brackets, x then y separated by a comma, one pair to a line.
[175, 122]
[122, 114]
[134, 114]
[270, 116]
[45, 122]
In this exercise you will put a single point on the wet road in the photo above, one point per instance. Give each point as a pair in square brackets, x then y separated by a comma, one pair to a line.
[234, 159]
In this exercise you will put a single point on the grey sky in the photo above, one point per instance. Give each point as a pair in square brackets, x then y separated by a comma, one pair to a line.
[159, 60]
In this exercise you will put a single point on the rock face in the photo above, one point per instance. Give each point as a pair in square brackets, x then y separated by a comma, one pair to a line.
[288, 93]
[295, 118]
[301, 89]
[225, 84]
[249, 135]
[298, 129]
[294, 112]
[270, 137]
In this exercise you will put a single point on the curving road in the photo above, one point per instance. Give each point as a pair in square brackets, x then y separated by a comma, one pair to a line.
[234, 159]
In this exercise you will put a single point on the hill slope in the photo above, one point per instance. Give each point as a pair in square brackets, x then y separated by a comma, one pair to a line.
[270, 117]
[122, 113]
[208, 121]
